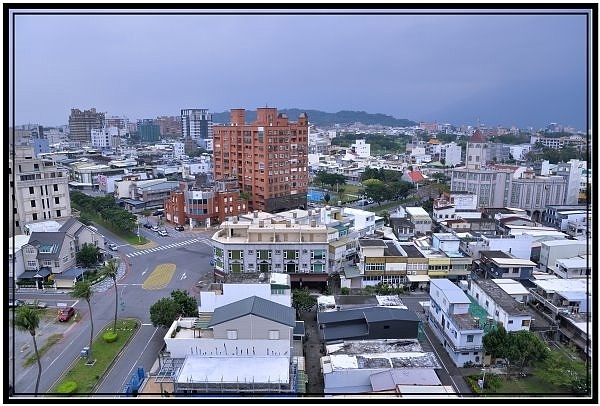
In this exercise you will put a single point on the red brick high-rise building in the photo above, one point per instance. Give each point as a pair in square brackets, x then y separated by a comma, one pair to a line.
[269, 158]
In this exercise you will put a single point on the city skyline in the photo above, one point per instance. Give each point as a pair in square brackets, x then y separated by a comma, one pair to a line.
[502, 69]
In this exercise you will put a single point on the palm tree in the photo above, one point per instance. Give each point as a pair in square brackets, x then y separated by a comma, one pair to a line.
[28, 319]
[111, 270]
[83, 290]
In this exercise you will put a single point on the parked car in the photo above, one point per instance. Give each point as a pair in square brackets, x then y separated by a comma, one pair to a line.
[147, 225]
[158, 213]
[155, 228]
[163, 233]
[36, 303]
[15, 303]
[113, 247]
[179, 228]
[66, 313]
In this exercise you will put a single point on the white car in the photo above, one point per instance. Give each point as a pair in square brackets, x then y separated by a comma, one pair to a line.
[163, 233]
[155, 228]
[113, 247]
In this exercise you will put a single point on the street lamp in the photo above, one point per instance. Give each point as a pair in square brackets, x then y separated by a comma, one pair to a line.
[481, 382]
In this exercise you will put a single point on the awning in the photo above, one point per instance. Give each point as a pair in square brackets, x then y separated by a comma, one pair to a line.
[42, 273]
[417, 278]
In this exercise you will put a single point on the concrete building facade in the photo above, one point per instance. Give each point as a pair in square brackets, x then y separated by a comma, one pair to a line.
[269, 158]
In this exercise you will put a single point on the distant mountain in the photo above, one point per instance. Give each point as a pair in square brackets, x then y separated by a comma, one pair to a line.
[321, 118]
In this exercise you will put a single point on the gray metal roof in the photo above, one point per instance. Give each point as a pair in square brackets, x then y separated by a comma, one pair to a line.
[56, 238]
[256, 306]
[376, 313]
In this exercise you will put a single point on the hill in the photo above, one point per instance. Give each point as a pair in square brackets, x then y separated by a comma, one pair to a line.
[321, 118]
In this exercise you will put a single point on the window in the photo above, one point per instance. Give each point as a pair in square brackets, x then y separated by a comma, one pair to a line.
[55, 187]
[57, 200]
[30, 190]
[386, 327]
[32, 264]
[470, 338]
[273, 334]
[33, 203]
[232, 334]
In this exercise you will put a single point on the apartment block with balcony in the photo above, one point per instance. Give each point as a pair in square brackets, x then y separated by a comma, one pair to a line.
[565, 303]
[451, 317]
[81, 124]
[39, 189]
[574, 267]
[263, 244]
[499, 264]
[552, 250]
[269, 158]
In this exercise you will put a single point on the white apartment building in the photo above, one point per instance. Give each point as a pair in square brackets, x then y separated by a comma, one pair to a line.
[500, 306]
[39, 189]
[550, 251]
[460, 333]
[451, 153]
[574, 267]
[361, 148]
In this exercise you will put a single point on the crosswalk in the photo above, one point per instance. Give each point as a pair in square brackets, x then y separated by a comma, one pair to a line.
[168, 246]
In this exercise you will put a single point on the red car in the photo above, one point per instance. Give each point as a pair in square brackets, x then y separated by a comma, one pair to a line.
[66, 313]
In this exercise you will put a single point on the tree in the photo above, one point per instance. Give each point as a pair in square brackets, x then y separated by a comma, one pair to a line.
[167, 309]
[523, 349]
[188, 305]
[111, 270]
[27, 318]
[495, 341]
[375, 189]
[88, 255]
[83, 290]
[302, 300]
[327, 198]
[164, 312]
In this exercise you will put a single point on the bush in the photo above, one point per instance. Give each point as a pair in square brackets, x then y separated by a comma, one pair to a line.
[345, 291]
[110, 337]
[67, 387]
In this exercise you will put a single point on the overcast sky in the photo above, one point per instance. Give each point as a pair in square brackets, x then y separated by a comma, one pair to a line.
[523, 70]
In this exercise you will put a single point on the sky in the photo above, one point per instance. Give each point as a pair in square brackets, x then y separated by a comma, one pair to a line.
[497, 69]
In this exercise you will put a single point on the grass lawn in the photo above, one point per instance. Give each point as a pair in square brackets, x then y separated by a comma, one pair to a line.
[130, 237]
[87, 376]
[530, 384]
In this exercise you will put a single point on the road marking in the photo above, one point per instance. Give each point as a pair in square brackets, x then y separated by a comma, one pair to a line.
[183, 276]
[145, 270]
[147, 324]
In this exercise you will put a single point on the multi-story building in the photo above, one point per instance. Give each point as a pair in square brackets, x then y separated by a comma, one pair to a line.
[81, 124]
[476, 155]
[573, 267]
[499, 264]
[136, 195]
[501, 307]
[361, 149]
[148, 130]
[268, 243]
[196, 124]
[170, 126]
[39, 189]
[197, 207]
[269, 157]
[550, 251]
[558, 216]
[451, 154]
[104, 138]
[458, 323]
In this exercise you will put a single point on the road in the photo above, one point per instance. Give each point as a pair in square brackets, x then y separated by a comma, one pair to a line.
[189, 251]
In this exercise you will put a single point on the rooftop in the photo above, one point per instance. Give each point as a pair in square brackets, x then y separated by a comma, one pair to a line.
[502, 298]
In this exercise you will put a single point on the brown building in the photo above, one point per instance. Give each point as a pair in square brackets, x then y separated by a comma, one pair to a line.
[81, 124]
[170, 126]
[269, 158]
[201, 206]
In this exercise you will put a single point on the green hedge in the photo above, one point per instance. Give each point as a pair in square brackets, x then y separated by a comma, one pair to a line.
[67, 387]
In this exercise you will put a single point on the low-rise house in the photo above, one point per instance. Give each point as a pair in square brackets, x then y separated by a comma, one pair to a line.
[367, 323]
[355, 366]
[574, 267]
